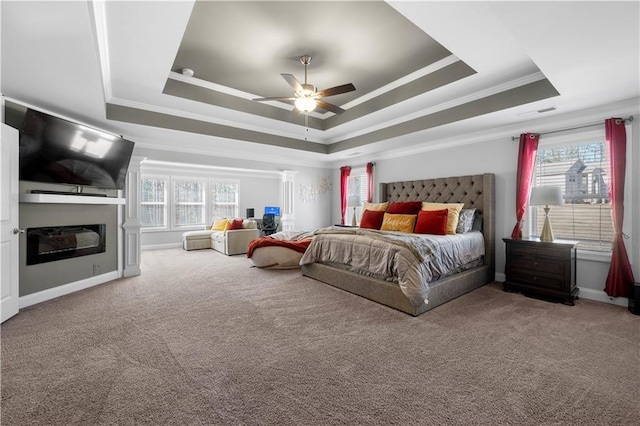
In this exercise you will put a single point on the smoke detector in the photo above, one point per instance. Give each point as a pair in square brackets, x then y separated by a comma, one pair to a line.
[187, 71]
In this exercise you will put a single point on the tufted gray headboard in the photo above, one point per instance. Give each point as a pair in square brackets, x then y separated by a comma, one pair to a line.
[475, 191]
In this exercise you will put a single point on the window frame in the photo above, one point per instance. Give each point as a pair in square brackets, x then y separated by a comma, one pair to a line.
[361, 173]
[167, 223]
[174, 202]
[577, 137]
[210, 183]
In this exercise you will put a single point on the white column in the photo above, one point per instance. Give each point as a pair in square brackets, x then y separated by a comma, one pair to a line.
[132, 223]
[288, 218]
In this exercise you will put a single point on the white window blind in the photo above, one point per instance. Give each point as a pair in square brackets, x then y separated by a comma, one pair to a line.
[153, 203]
[357, 186]
[224, 199]
[582, 172]
[189, 202]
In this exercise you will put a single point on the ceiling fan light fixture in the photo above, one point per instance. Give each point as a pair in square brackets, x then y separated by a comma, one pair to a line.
[305, 104]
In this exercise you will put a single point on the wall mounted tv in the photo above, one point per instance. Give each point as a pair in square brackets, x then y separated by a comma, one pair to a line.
[55, 150]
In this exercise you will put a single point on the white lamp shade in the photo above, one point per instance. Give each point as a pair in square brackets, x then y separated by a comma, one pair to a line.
[305, 104]
[546, 196]
[354, 201]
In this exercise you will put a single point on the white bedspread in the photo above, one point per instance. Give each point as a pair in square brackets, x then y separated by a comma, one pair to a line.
[411, 260]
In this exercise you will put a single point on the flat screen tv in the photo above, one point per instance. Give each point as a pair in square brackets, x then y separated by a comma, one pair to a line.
[272, 210]
[55, 150]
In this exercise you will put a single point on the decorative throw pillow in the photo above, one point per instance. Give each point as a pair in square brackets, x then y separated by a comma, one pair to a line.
[432, 222]
[249, 224]
[406, 207]
[454, 212]
[372, 219]
[219, 225]
[233, 224]
[465, 221]
[398, 222]
[375, 206]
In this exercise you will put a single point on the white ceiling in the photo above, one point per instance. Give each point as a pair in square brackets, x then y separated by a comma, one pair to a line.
[75, 58]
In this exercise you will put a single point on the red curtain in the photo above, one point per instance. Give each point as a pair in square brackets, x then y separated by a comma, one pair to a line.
[344, 188]
[369, 182]
[620, 279]
[526, 162]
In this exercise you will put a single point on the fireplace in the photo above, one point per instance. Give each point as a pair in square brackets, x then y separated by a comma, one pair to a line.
[48, 244]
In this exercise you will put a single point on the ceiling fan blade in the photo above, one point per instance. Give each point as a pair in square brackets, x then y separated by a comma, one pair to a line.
[329, 107]
[274, 98]
[337, 90]
[293, 82]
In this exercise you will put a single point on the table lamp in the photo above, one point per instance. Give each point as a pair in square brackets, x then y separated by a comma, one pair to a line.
[354, 201]
[546, 196]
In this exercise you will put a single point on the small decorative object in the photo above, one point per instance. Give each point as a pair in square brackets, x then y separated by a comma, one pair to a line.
[324, 184]
[308, 193]
[354, 201]
[546, 196]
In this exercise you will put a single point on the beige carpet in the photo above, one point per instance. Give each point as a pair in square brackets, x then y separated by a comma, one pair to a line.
[201, 338]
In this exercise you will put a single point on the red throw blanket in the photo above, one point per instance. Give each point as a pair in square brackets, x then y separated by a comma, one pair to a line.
[300, 245]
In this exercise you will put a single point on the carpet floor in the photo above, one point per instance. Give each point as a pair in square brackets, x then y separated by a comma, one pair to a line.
[204, 339]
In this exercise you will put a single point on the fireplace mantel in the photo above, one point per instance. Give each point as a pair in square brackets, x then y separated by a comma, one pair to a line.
[69, 199]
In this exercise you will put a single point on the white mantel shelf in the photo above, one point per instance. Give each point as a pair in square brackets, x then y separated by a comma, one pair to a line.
[69, 199]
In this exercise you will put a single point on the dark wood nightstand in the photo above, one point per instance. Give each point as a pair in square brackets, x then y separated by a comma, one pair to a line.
[543, 269]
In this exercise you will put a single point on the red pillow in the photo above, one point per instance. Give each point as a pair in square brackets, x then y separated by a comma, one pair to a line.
[407, 207]
[372, 219]
[432, 222]
[235, 224]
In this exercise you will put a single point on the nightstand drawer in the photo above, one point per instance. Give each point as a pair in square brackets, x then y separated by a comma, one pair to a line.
[537, 280]
[537, 264]
[539, 250]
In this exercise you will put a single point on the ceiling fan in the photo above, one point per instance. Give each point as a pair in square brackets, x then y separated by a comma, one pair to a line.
[306, 96]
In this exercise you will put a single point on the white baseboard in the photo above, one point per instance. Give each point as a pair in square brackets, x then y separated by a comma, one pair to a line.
[161, 246]
[52, 293]
[601, 296]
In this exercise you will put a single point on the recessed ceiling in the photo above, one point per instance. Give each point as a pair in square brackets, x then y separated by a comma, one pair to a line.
[425, 72]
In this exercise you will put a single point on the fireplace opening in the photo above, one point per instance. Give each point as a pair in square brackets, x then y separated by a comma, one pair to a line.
[51, 243]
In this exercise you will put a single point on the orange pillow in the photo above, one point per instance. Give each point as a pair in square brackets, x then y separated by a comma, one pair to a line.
[234, 224]
[432, 222]
[405, 207]
[398, 222]
[372, 219]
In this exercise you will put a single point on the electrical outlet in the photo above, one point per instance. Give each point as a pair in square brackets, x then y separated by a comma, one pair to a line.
[96, 269]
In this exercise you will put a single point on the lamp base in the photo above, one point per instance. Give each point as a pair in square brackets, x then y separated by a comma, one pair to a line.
[354, 221]
[547, 232]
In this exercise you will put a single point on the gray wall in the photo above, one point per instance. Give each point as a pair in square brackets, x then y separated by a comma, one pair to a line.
[34, 278]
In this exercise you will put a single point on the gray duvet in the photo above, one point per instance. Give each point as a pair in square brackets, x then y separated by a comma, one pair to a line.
[410, 260]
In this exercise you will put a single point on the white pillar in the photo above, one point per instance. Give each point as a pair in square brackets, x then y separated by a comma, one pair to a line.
[288, 218]
[132, 223]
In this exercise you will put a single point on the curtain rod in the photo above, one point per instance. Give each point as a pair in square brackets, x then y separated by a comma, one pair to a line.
[628, 119]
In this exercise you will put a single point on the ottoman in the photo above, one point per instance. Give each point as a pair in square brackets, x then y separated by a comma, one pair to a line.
[196, 240]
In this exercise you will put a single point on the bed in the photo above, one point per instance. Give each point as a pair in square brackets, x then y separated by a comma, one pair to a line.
[475, 191]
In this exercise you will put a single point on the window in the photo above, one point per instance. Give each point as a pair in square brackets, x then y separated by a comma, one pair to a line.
[357, 186]
[224, 199]
[582, 171]
[153, 203]
[188, 202]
